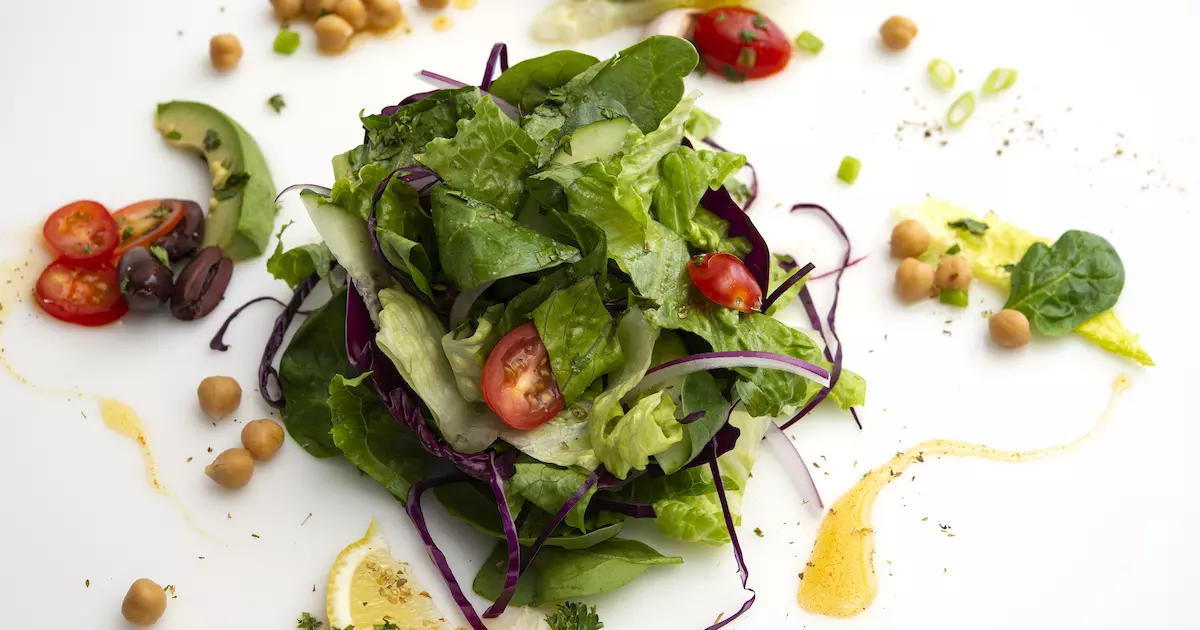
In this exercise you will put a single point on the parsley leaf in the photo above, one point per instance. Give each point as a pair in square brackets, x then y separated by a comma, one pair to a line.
[747, 36]
[276, 103]
[974, 226]
[759, 22]
[308, 622]
[232, 186]
[954, 249]
[161, 254]
[173, 135]
[574, 616]
[212, 141]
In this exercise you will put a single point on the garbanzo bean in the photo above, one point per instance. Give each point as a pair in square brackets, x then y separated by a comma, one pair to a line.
[383, 14]
[897, 32]
[286, 10]
[219, 396]
[953, 272]
[1009, 328]
[231, 469]
[225, 51]
[144, 603]
[354, 12]
[434, 4]
[314, 9]
[914, 280]
[333, 33]
[262, 438]
[909, 239]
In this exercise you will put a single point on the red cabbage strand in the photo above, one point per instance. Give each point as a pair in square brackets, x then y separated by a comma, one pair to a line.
[496, 480]
[785, 285]
[840, 268]
[417, 515]
[743, 570]
[266, 372]
[218, 341]
[758, 261]
[499, 54]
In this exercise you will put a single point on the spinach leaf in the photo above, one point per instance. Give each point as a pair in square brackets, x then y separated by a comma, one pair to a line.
[1060, 287]
[699, 393]
[298, 263]
[549, 487]
[579, 336]
[486, 159]
[474, 504]
[392, 141]
[316, 353]
[647, 78]
[479, 243]
[558, 574]
[372, 440]
[527, 84]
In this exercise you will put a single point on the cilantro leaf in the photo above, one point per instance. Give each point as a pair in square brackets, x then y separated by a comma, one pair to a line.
[308, 622]
[574, 616]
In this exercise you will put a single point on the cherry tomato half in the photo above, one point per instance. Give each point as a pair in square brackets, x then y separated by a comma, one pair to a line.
[739, 43]
[724, 279]
[517, 382]
[88, 295]
[81, 231]
[144, 222]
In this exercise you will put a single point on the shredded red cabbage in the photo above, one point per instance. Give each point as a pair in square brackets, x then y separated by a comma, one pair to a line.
[785, 285]
[810, 308]
[499, 54]
[840, 268]
[496, 478]
[743, 570]
[266, 371]
[632, 509]
[218, 340]
[694, 416]
[758, 261]
[724, 441]
[417, 515]
[753, 173]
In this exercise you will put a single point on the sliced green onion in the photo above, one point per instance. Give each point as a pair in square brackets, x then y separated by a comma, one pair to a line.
[849, 168]
[954, 297]
[809, 42]
[942, 74]
[961, 110]
[287, 41]
[747, 57]
[999, 80]
[954, 249]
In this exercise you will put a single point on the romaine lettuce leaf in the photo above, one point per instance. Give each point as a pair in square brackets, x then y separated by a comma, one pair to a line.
[549, 487]
[392, 141]
[636, 168]
[699, 393]
[372, 439]
[565, 441]
[686, 175]
[346, 236]
[991, 255]
[410, 334]
[778, 275]
[701, 124]
[466, 354]
[579, 335]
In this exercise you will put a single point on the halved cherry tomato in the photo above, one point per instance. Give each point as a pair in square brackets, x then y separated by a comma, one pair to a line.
[144, 222]
[88, 295]
[517, 382]
[81, 231]
[724, 279]
[739, 43]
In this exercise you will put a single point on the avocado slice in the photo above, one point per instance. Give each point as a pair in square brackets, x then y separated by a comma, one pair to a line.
[241, 212]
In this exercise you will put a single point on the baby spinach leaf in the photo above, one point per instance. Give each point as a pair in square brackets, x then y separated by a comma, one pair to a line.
[527, 84]
[647, 78]
[316, 353]
[474, 504]
[549, 487]
[699, 393]
[479, 243]
[1060, 287]
[372, 440]
[579, 336]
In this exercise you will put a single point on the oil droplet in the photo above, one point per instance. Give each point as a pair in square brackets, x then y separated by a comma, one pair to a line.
[442, 23]
[465, 5]
[839, 579]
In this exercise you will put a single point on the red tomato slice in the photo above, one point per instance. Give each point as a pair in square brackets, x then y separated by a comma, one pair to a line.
[81, 231]
[88, 295]
[739, 43]
[144, 222]
[724, 279]
[517, 382]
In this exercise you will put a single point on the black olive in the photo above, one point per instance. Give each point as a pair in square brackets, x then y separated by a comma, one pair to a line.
[185, 238]
[145, 282]
[201, 285]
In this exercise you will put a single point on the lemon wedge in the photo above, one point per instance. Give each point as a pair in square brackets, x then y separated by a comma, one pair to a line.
[368, 587]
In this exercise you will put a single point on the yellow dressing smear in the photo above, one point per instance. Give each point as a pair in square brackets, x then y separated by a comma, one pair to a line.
[839, 579]
[442, 23]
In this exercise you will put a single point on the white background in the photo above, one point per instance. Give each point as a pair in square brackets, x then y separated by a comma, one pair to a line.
[1103, 537]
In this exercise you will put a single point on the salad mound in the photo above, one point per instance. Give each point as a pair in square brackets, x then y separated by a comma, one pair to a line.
[534, 324]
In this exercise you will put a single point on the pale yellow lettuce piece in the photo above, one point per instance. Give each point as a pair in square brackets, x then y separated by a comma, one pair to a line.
[1004, 244]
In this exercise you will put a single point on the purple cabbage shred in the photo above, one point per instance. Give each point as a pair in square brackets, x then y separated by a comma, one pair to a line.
[743, 570]
[267, 375]
[218, 340]
[785, 285]
[758, 261]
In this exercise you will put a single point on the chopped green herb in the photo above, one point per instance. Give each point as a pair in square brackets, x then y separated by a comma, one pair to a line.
[161, 254]
[746, 36]
[276, 103]
[720, 18]
[954, 297]
[809, 42]
[999, 80]
[173, 135]
[759, 22]
[974, 226]
[212, 141]
[287, 41]
[308, 622]
[961, 110]
[574, 616]
[848, 170]
[747, 57]
[733, 76]
[232, 186]
[127, 233]
[954, 249]
[160, 212]
[942, 74]
[386, 625]
[758, 532]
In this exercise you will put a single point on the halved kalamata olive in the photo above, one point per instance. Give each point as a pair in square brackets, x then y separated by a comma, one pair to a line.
[201, 285]
[146, 283]
[187, 235]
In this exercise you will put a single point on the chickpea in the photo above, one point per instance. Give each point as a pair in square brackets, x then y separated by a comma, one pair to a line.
[384, 14]
[897, 32]
[287, 10]
[231, 469]
[914, 280]
[262, 438]
[354, 12]
[144, 603]
[1009, 328]
[333, 33]
[225, 51]
[953, 272]
[314, 9]
[909, 239]
[434, 4]
[219, 396]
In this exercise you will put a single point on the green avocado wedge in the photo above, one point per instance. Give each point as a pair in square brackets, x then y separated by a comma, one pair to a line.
[241, 211]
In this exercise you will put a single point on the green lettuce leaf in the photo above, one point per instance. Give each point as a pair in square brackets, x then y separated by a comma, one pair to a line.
[486, 159]
[549, 487]
[296, 264]
[466, 355]
[479, 243]
[314, 355]
[475, 504]
[564, 440]
[407, 255]
[699, 393]
[372, 439]
[410, 334]
[579, 336]
[701, 124]
[346, 236]
[392, 141]
[528, 83]
[686, 175]
[636, 168]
